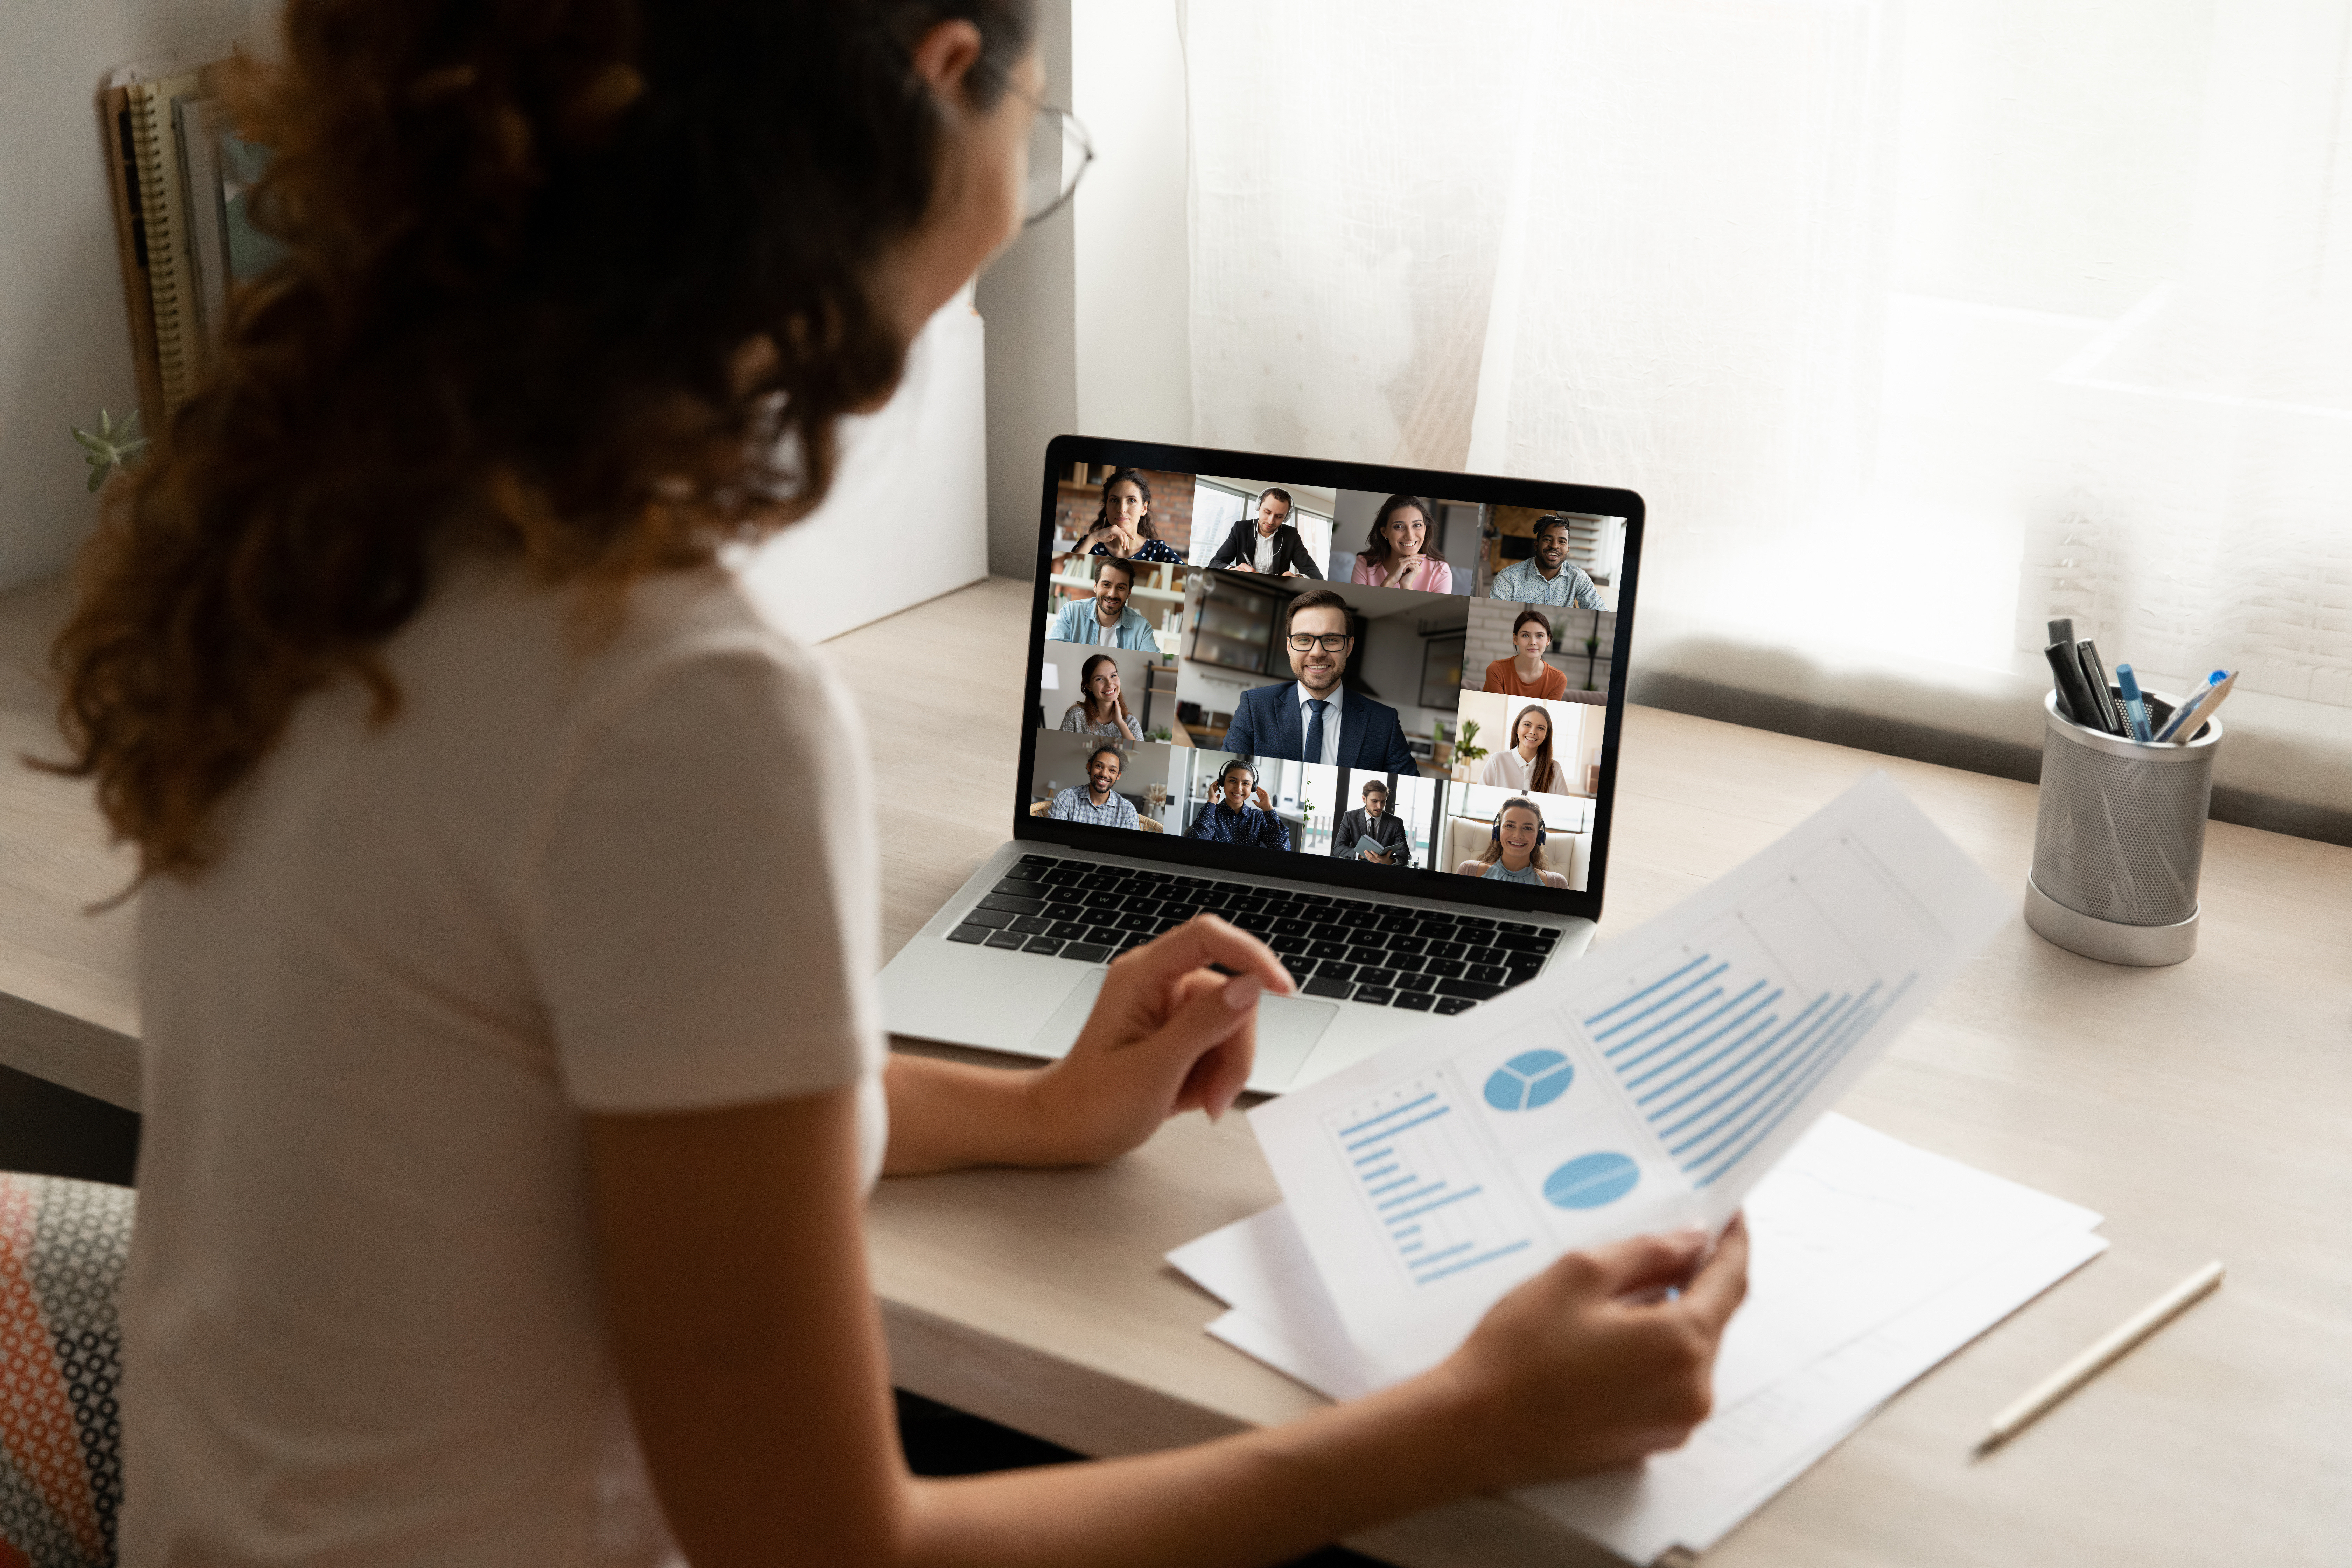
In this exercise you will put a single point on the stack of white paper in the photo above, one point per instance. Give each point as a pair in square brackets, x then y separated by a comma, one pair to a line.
[1652, 1085]
[1873, 1261]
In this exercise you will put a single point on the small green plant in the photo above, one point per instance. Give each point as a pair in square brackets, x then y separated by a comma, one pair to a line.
[1159, 734]
[109, 446]
[1465, 749]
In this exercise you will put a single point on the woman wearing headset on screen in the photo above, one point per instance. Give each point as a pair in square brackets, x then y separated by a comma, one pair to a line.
[1101, 711]
[1527, 763]
[1516, 853]
[508, 922]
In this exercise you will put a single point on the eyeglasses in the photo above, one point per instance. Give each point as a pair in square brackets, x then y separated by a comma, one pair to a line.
[1059, 152]
[1333, 642]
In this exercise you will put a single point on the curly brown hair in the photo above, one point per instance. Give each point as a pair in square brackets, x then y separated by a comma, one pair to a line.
[586, 283]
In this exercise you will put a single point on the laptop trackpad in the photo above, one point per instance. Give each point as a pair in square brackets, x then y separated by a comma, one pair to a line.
[1287, 1028]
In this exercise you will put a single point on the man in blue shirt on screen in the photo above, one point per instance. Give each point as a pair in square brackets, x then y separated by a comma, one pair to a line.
[1311, 719]
[1230, 819]
[1106, 618]
[1546, 577]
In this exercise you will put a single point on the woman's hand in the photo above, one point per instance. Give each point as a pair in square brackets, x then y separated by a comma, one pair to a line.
[1167, 1035]
[1587, 1366]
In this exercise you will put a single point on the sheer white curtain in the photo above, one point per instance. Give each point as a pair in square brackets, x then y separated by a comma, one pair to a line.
[1914, 324]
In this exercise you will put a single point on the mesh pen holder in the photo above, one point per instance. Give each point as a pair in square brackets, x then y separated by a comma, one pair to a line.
[2120, 840]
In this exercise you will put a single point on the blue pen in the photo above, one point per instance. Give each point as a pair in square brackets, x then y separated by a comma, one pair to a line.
[2181, 713]
[2190, 716]
[2134, 706]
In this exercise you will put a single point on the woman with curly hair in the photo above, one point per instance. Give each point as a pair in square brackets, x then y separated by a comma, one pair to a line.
[507, 931]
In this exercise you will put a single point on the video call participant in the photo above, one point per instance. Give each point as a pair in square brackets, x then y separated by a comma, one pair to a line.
[1526, 674]
[1310, 719]
[1231, 817]
[1400, 553]
[1546, 577]
[1101, 710]
[1527, 763]
[1370, 833]
[1123, 527]
[1100, 804]
[1516, 853]
[1267, 544]
[1106, 618]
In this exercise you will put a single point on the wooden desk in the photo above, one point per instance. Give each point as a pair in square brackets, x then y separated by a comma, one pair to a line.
[2206, 1110]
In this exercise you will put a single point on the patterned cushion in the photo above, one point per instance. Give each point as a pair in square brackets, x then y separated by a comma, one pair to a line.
[62, 1245]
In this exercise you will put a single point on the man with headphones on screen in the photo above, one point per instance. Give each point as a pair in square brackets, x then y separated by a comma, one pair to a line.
[1311, 719]
[1516, 853]
[1229, 818]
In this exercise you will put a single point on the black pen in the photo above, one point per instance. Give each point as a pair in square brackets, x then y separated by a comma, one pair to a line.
[2074, 696]
[2101, 698]
[2062, 630]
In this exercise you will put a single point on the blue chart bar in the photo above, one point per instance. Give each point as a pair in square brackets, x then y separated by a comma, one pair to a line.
[1415, 1163]
[1716, 1059]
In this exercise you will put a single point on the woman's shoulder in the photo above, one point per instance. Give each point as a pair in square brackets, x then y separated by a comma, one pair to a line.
[1159, 549]
[1471, 868]
[1498, 676]
[1553, 879]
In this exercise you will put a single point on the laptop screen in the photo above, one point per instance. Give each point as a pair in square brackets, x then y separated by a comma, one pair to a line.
[1374, 677]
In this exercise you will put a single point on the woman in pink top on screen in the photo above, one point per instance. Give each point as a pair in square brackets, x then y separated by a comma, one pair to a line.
[1400, 553]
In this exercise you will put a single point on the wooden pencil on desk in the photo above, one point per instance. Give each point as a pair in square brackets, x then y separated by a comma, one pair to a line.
[2055, 1388]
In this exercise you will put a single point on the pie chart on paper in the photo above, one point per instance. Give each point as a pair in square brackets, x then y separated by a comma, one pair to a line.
[1589, 1181]
[1529, 1081]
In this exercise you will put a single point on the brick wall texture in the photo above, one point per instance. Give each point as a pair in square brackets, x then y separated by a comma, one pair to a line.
[1489, 639]
[1171, 503]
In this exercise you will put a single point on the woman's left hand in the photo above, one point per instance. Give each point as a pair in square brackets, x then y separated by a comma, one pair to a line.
[1168, 1035]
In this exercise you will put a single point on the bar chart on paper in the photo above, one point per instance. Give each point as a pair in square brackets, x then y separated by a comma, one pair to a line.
[1416, 1162]
[1719, 1039]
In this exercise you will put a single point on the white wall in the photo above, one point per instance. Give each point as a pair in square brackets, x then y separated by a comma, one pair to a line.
[1133, 276]
[905, 520]
[64, 338]
[1026, 296]
[1089, 312]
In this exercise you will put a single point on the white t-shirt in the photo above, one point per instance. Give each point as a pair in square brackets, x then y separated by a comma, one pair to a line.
[634, 874]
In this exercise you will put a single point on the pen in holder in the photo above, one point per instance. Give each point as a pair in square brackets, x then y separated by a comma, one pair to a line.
[2120, 840]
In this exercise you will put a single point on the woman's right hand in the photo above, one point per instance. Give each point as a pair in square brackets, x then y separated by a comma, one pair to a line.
[1590, 1364]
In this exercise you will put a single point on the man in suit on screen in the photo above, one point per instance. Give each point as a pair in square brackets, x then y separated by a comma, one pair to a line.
[1267, 543]
[1311, 719]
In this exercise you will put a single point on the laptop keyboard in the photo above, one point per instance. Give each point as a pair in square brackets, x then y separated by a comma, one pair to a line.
[1348, 950]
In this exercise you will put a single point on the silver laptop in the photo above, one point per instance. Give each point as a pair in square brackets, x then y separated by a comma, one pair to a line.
[1371, 714]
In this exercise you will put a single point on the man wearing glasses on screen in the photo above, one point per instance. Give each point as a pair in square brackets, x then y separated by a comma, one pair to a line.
[1311, 719]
